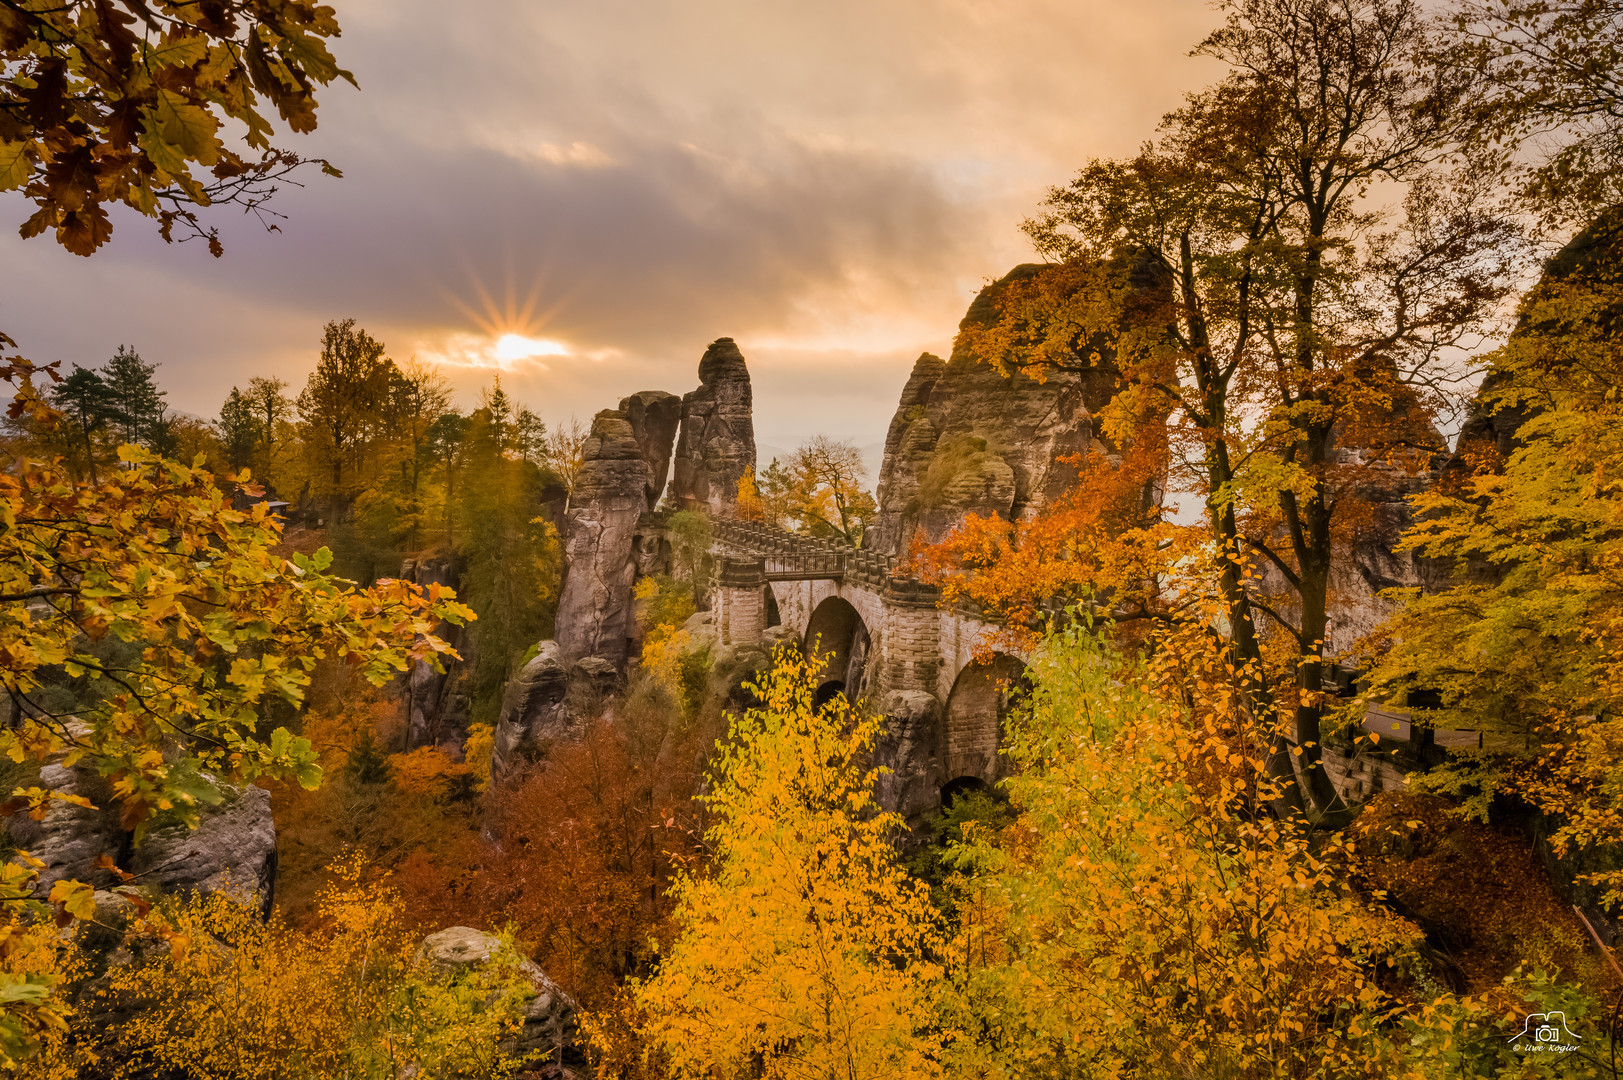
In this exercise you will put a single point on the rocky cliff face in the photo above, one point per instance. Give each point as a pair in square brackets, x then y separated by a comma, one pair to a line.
[547, 702]
[717, 444]
[437, 702]
[232, 849]
[966, 439]
[654, 417]
[602, 532]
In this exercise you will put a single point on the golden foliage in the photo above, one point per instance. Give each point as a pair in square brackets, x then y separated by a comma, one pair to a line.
[806, 951]
[215, 994]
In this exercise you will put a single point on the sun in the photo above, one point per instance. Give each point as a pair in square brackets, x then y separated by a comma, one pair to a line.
[519, 347]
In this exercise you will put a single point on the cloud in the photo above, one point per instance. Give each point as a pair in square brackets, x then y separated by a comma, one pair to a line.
[827, 183]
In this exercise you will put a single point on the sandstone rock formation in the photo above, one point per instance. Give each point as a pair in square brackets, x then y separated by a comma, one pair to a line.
[717, 444]
[436, 701]
[967, 439]
[550, 1027]
[70, 838]
[548, 701]
[610, 495]
[909, 749]
[654, 417]
[533, 712]
[232, 851]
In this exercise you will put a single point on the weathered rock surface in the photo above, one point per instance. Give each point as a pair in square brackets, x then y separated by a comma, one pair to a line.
[966, 439]
[533, 713]
[232, 851]
[600, 538]
[654, 417]
[547, 702]
[437, 702]
[908, 748]
[716, 447]
[550, 1026]
[70, 838]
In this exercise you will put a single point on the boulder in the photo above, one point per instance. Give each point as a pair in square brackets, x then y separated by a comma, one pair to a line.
[701, 628]
[232, 850]
[716, 447]
[732, 668]
[550, 1027]
[654, 417]
[601, 538]
[547, 702]
[70, 838]
[533, 714]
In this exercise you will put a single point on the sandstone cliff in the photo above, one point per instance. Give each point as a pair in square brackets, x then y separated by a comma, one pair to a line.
[717, 445]
[967, 439]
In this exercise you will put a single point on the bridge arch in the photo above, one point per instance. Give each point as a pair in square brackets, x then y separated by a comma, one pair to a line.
[972, 722]
[837, 634]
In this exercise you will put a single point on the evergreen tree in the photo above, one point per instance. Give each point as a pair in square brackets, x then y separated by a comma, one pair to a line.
[530, 436]
[137, 405]
[86, 401]
[238, 428]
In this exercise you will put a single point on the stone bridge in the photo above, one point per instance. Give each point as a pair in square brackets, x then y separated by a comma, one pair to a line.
[881, 637]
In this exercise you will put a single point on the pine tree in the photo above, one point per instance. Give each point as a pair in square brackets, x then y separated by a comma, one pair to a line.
[86, 401]
[137, 404]
[238, 428]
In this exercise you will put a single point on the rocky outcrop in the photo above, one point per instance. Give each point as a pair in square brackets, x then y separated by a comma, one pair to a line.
[550, 1029]
[966, 439]
[717, 445]
[654, 417]
[437, 701]
[71, 838]
[232, 851]
[608, 536]
[549, 701]
[610, 495]
[1489, 433]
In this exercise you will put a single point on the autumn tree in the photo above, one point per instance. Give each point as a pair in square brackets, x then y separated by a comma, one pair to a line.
[819, 490]
[122, 103]
[512, 555]
[1238, 278]
[1140, 917]
[564, 448]
[272, 411]
[806, 951]
[340, 403]
[1553, 99]
[148, 627]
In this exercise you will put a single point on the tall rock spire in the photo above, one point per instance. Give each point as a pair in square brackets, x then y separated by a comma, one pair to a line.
[716, 447]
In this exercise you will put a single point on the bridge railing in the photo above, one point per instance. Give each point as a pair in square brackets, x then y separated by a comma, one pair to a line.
[791, 557]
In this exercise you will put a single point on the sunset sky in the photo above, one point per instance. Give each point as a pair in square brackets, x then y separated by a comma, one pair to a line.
[582, 194]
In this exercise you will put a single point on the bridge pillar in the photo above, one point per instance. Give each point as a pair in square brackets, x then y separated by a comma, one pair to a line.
[912, 637]
[740, 602]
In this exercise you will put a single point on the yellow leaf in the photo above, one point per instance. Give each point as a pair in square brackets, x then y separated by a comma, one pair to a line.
[15, 165]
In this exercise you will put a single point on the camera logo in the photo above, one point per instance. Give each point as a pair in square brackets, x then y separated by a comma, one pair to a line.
[1546, 1033]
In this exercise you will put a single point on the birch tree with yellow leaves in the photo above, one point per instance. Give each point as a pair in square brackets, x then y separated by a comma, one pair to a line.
[806, 951]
